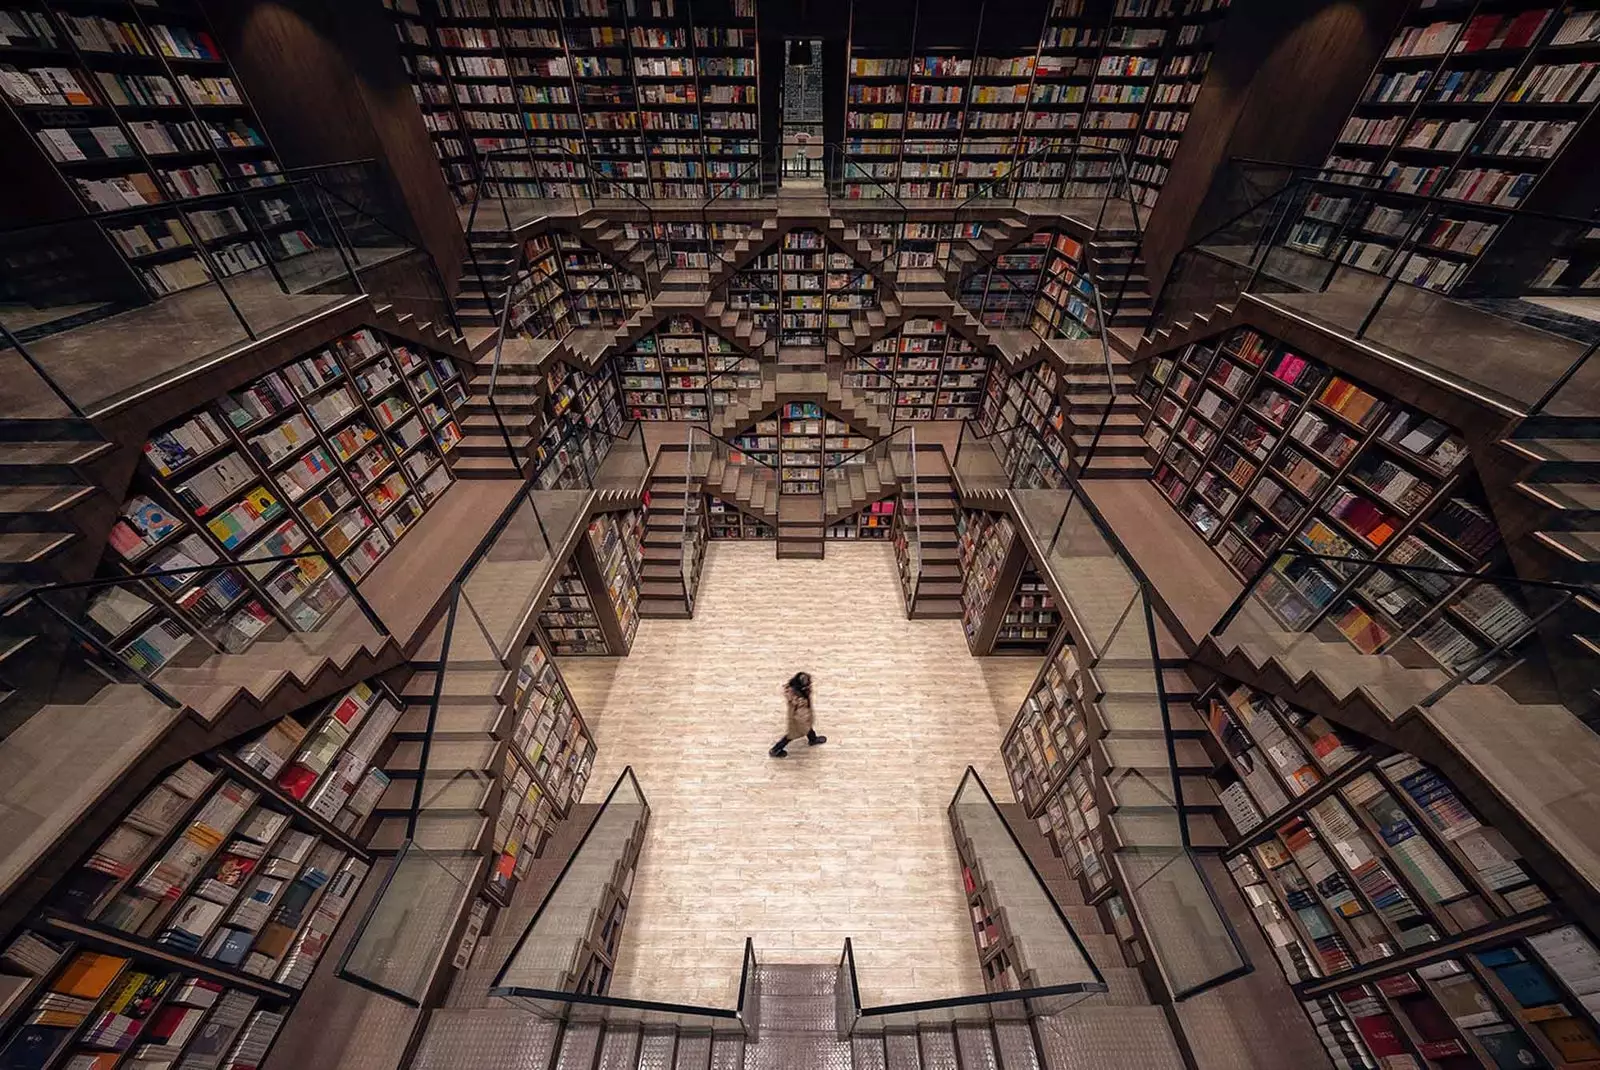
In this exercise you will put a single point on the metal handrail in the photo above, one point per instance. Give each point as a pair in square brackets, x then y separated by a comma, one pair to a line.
[696, 429]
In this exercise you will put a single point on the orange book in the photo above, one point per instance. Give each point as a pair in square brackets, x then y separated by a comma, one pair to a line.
[89, 975]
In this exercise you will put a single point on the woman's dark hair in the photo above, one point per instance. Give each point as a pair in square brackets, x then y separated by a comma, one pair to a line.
[800, 684]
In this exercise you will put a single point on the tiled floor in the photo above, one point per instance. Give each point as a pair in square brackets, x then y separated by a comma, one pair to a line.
[849, 839]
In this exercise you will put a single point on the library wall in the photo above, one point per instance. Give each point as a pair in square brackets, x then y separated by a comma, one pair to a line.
[1315, 53]
[328, 84]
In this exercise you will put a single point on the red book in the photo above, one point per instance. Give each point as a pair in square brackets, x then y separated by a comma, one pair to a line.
[1525, 27]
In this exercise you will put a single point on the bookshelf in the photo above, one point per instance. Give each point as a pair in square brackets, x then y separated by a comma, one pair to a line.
[569, 616]
[545, 770]
[1261, 448]
[142, 117]
[1350, 856]
[186, 934]
[341, 451]
[594, 606]
[803, 298]
[1039, 451]
[1045, 751]
[580, 415]
[608, 98]
[1183, 68]
[1474, 102]
[873, 522]
[1064, 307]
[682, 370]
[1000, 953]
[992, 560]
[1031, 617]
[876, 92]
[1005, 294]
[922, 371]
[727, 521]
[753, 289]
[801, 434]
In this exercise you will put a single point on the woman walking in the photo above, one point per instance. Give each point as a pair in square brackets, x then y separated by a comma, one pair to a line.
[797, 697]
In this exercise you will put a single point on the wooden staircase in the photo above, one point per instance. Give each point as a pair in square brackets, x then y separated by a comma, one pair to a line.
[1117, 268]
[737, 255]
[1087, 398]
[662, 590]
[632, 254]
[938, 593]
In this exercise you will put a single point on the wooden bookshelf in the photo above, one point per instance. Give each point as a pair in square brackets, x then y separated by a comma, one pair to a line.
[1351, 856]
[874, 522]
[1004, 294]
[668, 373]
[595, 97]
[189, 930]
[580, 415]
[545, 769]
[594, 606]
[1183, 68]
[1475, 102]
[1031, 617]
[141, 115]
[341, 452]
[1261, 448]
[993, 560]
[923, 371]
[1000, 957]
[1065, 307]
[1037, 453]
[729, 522]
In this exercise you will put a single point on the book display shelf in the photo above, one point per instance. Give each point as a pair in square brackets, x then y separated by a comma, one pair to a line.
[341, 451]
[569, 616]
[682, 370]
[992, 560]
[729, 522]
[1473, 102]
[580, 414]
[594, 606]
[1261, 449]
[1046, 751]
[801, 426]
[1006, 292]
[873, 522]
[1000, 953]
[564, 285]
[817, 289]
[608, 98]
[1351, 856]
[1031, 618]
[689, 244]
[753, 290]
[1037, 452]
[1183, 68]
[545, 769]
[923, 371]
[140, 113]
[1065, 307]
[585, 924]
[188, 932]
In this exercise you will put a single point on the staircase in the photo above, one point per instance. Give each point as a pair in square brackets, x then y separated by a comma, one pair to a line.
[1561, 477]
[750, 486]
[850, 488]
[938, 594]
[486, 272]
[1118, 271]
[662, 591]
[48, 492]
[1121, 452]
[737, 255]
[460, 793]
[634, 255]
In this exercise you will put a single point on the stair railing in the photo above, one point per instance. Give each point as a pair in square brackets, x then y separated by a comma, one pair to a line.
[488, 626]
[1057, 978]
[736, 182]
[1407, 611]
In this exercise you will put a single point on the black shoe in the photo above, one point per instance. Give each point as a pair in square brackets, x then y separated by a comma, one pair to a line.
[777, 753]
[816, 740]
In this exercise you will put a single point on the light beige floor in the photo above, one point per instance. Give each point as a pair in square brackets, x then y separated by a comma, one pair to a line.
[848, 839]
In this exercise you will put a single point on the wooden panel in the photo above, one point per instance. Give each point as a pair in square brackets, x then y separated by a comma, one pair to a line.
[1282, 80]
[327, 82]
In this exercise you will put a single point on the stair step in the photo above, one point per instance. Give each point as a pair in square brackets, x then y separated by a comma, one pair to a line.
[444, 756]
[441, 795]
[1567, 497]
[1098, 1036]
[454, 719]
[463, 833]
[1581, 547]
[1151, 754]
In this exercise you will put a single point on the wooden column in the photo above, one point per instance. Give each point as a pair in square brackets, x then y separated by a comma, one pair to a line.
[328, 84]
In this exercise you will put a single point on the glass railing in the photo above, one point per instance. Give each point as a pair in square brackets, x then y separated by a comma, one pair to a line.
[489, 614]
[95, 312]
[563, 964]
[1190, 937]
[406, 930]
[906, 530]
[1413, 633]
[1397, 270]
[1039, 968]
[694, 534]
